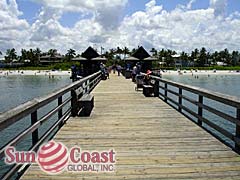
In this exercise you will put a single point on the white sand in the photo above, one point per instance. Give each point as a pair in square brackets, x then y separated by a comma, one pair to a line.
[34, 72]
[200, 72]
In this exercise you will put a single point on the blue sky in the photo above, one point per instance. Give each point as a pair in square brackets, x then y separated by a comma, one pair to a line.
[30, 9]
[174, 24]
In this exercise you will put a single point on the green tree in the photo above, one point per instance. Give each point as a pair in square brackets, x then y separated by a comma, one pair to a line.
[52, 52]
[133, 51]
[184, 57]
[227, 57]
[11, 54]
[36, 55]
[24, 55]
[126, 51]
[201, 61]
[170, 59]
[154, 52]
[235, 58]
[70, 54]
[118, 52]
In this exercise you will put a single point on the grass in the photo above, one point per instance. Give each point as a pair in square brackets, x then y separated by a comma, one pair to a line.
[63, 66]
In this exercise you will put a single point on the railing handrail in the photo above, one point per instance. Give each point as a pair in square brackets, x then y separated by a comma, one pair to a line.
[227, 99]
[231, 101]
[17, 113]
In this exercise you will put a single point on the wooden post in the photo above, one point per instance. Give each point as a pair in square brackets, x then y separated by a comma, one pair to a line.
[156, 88]
[34, 119]
[237, 146]
[180, 99]
[60, 112]
[200, 111]
[165, 94]
[74, 104]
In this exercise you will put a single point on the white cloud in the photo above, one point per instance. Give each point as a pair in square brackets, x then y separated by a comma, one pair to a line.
[106, 12]
[12, 29]
[182, 28]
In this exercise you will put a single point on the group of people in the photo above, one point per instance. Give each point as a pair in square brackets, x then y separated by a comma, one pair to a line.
[136, 71]
[117, 68]
[104, 70]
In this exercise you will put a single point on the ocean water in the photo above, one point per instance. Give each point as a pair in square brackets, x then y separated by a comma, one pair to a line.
[226, 84]
[15, 90]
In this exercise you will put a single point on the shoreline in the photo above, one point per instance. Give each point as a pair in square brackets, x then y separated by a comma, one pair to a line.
[34, 73]
[68, 73]
[199, 72]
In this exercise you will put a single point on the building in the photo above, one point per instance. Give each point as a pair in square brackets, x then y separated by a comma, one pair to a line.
[90, 62]
[140, 56]
[48, 59]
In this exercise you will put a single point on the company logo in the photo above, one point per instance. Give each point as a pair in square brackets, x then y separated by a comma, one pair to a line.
[54, 157]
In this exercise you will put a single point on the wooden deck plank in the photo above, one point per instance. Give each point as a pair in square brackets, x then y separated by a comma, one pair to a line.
[152, 140]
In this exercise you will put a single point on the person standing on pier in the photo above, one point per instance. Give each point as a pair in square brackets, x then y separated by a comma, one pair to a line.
[119, 68]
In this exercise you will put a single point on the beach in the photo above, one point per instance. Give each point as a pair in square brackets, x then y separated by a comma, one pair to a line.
[68, 73]
[34, 72]
[200, 72]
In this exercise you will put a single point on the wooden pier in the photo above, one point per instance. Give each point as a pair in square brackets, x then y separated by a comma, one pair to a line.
[152, 140]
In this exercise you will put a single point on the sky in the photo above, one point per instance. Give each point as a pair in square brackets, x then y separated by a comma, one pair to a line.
[181, 25]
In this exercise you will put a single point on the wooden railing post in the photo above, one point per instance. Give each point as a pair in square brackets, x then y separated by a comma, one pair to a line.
[237, 146]
[60, 112]
[34, 119]
[165, 93]
[156, 88]
[200, 110]
[180, 99]
[74, 104]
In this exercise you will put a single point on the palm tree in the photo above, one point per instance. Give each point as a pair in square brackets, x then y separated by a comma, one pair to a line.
[11, 54]
[23, 55]
[70, 54]
[154, 52]
[37, 54]
[119, 51]
[202, 57]
[133, 51]
[52, 52]
[235, 57]
[227, 57]
[126, 51]
[184, 57]
[169, 58]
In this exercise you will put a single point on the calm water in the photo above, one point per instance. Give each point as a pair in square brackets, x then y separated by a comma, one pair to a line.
[15, 90]
[226, 84]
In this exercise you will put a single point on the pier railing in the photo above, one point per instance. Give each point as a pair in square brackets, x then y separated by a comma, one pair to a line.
[197, 103]
[31, 108]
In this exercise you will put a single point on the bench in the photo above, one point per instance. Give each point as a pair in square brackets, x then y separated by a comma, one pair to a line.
[86, 104]
[147, 90]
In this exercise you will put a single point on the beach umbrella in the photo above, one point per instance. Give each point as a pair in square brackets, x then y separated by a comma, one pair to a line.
[150, 59]
[131, 58]
[79, 59]
[99, 59]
